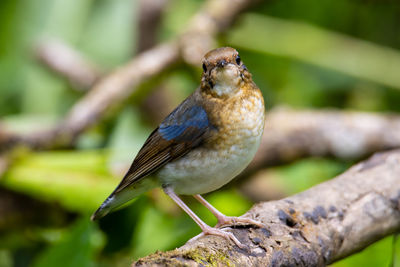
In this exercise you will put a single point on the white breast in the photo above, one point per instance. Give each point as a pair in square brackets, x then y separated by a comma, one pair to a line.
[203, 170]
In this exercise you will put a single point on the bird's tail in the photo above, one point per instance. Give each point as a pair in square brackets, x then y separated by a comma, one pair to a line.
[116, 199]
[105, 208]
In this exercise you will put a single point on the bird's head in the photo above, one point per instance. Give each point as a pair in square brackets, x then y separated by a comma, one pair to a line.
[223, 72]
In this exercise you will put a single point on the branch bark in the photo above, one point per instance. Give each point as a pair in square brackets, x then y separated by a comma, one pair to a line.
[314, 228]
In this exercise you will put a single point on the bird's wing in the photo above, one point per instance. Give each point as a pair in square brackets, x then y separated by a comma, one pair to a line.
[185, 128]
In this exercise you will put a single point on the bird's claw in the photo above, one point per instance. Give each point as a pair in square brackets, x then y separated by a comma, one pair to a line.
[219, 232]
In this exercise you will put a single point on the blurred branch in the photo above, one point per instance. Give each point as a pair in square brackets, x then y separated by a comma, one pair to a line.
[214, 17]
[18, 211]
[292, 134]
[150, 12]
[4, 164]
[314, 228]
[156, 105]
[320, 47]
[68, 63]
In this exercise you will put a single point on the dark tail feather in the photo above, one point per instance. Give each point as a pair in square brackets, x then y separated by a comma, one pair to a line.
[117, 199]
[105, 208]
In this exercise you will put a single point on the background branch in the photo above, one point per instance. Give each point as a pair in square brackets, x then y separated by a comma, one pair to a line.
[150, 15]
[316, 227]
[292, 134]
[68, 63]
[114, 88]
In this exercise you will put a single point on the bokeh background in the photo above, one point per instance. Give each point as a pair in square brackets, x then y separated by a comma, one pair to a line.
[46, 197]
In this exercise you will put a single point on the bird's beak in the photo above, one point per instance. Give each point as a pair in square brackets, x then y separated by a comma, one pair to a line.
[222, 63]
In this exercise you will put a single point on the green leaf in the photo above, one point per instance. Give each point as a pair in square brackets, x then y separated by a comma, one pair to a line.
[377, 254]
[155, 231]
[229, 202]
[317, 46]
[126, 139]
[77, 180]
[77, 248]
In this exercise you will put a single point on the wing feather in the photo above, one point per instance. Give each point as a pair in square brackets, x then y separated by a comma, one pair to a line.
[184, 129]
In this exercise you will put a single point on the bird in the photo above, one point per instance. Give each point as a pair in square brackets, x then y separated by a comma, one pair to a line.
[202, 144]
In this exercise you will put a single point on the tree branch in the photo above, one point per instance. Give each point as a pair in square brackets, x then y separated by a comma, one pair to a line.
[292, 134]
[68, 63]
[213, 18]
[317, 227]
[150, 14]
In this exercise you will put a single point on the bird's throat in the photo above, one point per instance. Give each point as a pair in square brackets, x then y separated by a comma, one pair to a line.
[226, 82]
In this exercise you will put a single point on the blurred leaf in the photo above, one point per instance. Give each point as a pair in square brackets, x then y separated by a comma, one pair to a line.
[377, 254]
[177, 16]
[77, 180]
[5, 258]
[65, 19]
[395, 260]
[229, 202]
[28, 123]
[303, 174]
[38, 83]
[110, 35]
[126, 139]
[155, 231]
[367, 97]
[309, 172]
[77, 249]
[317, 46]
[179, 85]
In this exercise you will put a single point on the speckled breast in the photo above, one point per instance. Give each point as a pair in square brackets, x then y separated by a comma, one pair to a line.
[239, 122]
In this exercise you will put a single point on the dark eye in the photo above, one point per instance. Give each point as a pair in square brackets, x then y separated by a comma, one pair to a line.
[238, 60]
[204, 67]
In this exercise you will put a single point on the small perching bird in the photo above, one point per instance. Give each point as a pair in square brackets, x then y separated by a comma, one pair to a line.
[203, 144]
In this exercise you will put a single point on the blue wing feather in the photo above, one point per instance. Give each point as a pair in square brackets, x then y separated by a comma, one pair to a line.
[181, 131]
[177, 123]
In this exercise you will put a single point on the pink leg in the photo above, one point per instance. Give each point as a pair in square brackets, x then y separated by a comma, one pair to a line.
[226, 220]
[207, 230]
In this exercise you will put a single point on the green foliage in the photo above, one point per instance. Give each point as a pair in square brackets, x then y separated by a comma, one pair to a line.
[77, 180]
[378, 254]
[76, 248]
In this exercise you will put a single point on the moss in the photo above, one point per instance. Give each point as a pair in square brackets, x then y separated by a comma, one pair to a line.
[169, 258]
[202, 256]
[207, 257]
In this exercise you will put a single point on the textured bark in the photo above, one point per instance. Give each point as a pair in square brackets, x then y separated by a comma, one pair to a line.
[316, 227]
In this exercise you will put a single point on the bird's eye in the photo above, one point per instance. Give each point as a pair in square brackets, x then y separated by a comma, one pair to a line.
[238, 60]
[204, 67]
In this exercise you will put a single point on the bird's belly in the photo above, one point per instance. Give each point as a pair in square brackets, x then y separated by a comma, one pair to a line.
[203, 169]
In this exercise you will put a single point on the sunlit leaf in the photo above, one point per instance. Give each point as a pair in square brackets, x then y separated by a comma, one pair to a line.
[77, 180]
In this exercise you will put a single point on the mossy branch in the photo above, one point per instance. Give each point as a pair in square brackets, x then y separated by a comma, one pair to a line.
[314, 228]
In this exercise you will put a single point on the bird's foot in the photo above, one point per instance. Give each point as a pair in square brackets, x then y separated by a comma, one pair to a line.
[208, 230]
[232, 221]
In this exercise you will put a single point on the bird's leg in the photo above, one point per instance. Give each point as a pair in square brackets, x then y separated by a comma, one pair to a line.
[226, 220]
[207, 230]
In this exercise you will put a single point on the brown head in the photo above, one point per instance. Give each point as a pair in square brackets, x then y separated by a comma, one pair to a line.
[223, 72]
